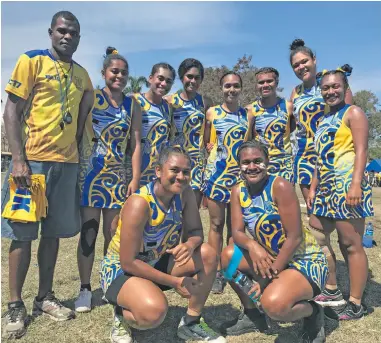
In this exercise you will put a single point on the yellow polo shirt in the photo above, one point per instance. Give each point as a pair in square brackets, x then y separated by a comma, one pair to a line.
[40, 79]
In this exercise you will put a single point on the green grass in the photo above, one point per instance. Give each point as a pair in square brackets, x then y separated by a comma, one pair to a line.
[95, 326]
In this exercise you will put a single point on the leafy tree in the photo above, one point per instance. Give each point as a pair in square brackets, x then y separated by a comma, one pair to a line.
[367, 100]
[245, 68]
[369, 103]
[135, 84]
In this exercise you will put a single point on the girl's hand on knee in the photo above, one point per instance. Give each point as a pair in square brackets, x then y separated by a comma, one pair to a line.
[261, 260]
[181, 253]
[187, 287]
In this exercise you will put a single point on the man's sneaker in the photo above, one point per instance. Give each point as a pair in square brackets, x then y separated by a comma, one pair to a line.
[245, 324]
[83, 302]
[15, 317]
[328, 299]
[352, 311]
[120, 331]
[313, 327]
[200, 332]
[51, 306]
[218, 284]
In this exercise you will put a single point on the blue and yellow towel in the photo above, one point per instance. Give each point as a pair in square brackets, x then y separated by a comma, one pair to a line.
[27, 204]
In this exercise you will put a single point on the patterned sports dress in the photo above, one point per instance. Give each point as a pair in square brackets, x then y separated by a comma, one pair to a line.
[162, 232]
[228, 131]
[273, 130]
[102, 175]
[262, 220]
[188, 126]
[156, 125]
[336, 156]
[309, 109]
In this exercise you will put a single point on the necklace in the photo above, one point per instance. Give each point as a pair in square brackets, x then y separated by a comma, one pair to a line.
[66, 115]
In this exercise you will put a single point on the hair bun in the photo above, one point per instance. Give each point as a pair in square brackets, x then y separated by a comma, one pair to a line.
[111, 51]
[347, 68]
[296, 43]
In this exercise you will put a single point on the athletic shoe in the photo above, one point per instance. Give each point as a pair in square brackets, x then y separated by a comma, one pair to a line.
[352, 311]
[245, 324]
[200, 332]
[120, 331]
[51, 306]
[328, 299]
[313, 327]
[218, 284]
[83, 302]
[15, 317]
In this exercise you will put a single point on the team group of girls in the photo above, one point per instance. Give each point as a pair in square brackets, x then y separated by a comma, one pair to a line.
[182, 147]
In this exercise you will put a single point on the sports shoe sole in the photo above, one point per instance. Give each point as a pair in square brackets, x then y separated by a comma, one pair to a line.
[331, 303]
[133, 339]
[83, 309]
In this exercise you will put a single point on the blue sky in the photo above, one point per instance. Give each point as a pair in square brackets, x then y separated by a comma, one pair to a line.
[216, 33]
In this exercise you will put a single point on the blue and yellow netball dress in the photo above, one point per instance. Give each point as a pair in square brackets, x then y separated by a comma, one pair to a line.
[309, 109]
[228, 131]
[273, 130]
[336, 158]
[262, 220]
[188, 131]
[162, 232]
[102, 175]
[156, 124]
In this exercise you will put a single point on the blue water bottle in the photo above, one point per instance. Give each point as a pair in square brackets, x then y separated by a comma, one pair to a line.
[367, 240]
[245, 283]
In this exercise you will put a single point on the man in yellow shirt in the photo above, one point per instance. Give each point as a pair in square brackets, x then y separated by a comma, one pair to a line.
[49, 98]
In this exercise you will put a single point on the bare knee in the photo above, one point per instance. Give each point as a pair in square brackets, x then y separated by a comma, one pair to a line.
[152, 314]
[208, 256]
[275, 307]
[226, 256]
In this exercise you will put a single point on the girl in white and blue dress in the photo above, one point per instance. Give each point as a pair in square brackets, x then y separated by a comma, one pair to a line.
[156, 118]
[115, 119]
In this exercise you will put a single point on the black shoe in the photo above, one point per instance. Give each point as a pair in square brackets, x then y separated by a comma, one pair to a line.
[245, 324]
[352, 311]
[313, 326]
[15, 320]
[218, 284]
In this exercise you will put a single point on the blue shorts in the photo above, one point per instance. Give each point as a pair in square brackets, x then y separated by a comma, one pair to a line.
[62, 192]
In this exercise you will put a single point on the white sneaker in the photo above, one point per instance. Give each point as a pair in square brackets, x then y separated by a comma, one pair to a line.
[120, 331]
[83, 302]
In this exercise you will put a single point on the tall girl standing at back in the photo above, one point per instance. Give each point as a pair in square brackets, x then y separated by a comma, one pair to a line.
[309, 110]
